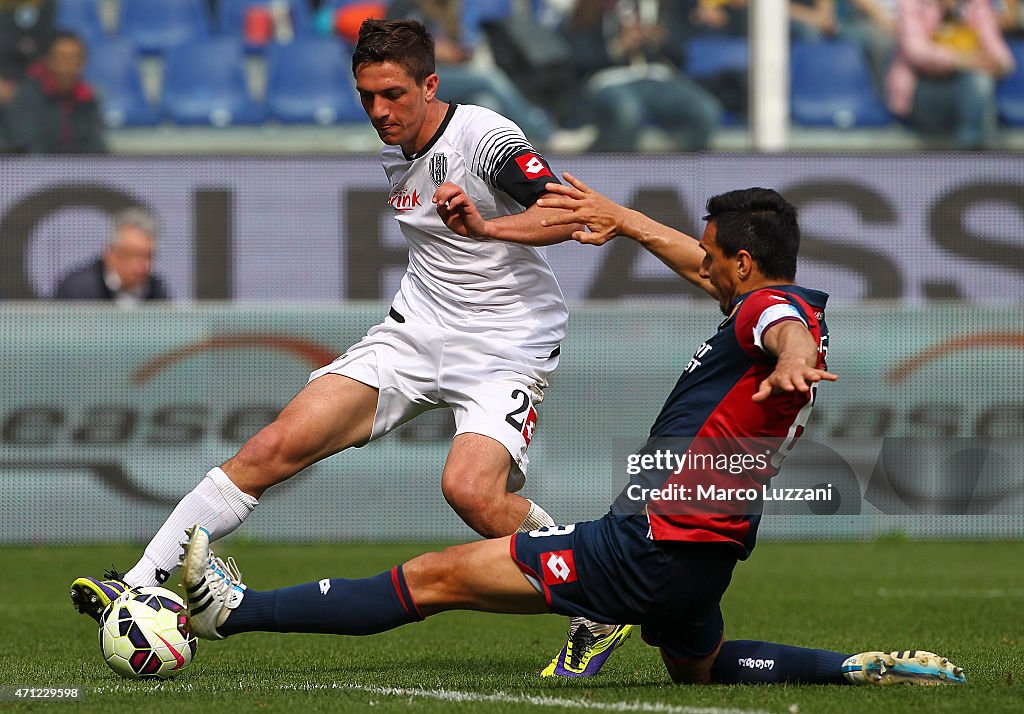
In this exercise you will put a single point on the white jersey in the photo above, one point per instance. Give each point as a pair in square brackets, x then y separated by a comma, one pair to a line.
[469, 284]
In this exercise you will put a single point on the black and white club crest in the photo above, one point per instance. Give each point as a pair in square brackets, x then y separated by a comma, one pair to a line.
[438, 168]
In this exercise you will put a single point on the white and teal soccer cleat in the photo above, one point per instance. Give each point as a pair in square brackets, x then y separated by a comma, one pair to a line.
[90, 596]
[907, 667]
[589, 646]
[213, 588]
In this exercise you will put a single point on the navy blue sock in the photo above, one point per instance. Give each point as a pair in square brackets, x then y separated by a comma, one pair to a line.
[752, 662]
[336, 607]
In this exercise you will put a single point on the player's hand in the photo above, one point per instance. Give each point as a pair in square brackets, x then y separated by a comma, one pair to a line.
[582, 204]
[458, 212]
[791, 375]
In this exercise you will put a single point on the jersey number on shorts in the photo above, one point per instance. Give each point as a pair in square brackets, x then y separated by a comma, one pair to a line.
[519, 411]
[519, 416]
[552, 531]
[524, 417]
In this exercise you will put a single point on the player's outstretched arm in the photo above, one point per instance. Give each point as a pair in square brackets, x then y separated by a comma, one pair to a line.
[606, 219]
[797, 354]
[461, 215]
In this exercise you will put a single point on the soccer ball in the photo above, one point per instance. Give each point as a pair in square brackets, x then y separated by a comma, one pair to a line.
[144, 634]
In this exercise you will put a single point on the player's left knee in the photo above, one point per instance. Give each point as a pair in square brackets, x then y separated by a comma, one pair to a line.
[690, 671]
[691, 676]
[469, 496]
[430, 578]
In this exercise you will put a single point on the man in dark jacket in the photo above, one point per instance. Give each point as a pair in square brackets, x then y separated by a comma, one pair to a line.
[628, 59]
[54, 110]
[26, 30]
[124, 272]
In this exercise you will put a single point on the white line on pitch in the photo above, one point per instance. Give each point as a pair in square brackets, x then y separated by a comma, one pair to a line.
[447, 695]
[452, 695]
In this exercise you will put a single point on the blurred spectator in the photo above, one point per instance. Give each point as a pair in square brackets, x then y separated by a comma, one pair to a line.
[718, 18]
[942, 80]
[54, 111]
[628, 57]
[812, 20]
[1010, 18]
[872, 25]
[462, 78]
[715, 17]
[124, 272]
[26, 30]
[345, 20]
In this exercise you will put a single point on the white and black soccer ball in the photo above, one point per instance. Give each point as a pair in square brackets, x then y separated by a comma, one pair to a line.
[144, 634]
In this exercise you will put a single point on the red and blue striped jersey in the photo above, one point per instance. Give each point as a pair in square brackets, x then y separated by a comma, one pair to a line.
[711, 404]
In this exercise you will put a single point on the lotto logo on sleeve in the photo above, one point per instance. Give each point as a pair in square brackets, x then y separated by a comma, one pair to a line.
[532, 166]
[558, 566]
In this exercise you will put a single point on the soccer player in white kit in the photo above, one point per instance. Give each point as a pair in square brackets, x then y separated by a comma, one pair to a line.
[475, 326]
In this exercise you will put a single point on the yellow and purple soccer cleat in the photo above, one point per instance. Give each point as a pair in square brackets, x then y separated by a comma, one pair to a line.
[906, 667]
[589, 646]
[91, 595]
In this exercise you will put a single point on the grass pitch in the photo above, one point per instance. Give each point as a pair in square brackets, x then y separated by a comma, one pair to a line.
[964, 600]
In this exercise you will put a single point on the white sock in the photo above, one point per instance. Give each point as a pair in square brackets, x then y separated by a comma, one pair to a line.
[536, 518]
[216, 503]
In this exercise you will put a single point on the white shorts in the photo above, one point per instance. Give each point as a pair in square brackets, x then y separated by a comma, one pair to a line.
[493, 387]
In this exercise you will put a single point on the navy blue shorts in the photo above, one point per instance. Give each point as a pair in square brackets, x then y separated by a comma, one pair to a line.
[609, 570]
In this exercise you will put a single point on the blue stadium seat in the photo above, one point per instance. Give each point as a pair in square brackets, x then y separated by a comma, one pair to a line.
[156, 26]
[480, 12]
[713, 54]
[309, 82]
[707, 56]
[830, 85]
[231, 18]
[83, 18]
[484, 10]
[112, 68]
[204, 83]
[1010, 91]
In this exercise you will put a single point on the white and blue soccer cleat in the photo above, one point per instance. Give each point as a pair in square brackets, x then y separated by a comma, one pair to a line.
[213, 588]
[906, 667]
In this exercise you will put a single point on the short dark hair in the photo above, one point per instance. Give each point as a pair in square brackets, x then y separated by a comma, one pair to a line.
[403, 42]
[761, 222]
[67, 35]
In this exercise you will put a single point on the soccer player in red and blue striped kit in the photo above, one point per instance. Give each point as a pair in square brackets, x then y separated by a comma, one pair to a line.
[663, 556]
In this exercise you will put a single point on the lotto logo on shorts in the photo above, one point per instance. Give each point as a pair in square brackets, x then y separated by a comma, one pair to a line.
[558, 567]
[532, 166]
